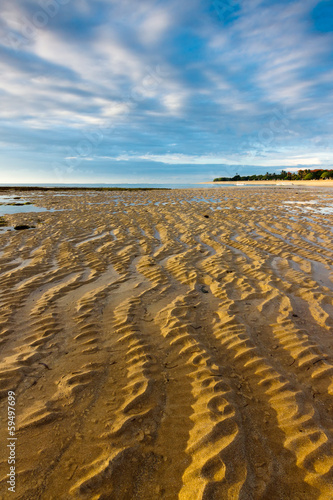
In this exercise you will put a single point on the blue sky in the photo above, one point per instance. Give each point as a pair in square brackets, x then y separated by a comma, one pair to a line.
[163, 90]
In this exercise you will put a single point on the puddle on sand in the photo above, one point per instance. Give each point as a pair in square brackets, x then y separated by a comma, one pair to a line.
[11, 209]
[66, 194]
[6, 209]
[11, 199]
[4, 229]
[311, 202]
[312, 206]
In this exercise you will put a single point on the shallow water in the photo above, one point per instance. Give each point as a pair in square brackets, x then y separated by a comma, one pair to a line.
[312, 206]
[12, 209]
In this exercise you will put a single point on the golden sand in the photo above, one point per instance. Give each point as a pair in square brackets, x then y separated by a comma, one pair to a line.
[157, 353]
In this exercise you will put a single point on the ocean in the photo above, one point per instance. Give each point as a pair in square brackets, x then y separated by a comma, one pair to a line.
[143, 185]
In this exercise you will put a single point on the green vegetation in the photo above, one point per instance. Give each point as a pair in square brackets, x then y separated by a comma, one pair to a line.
[304, 174]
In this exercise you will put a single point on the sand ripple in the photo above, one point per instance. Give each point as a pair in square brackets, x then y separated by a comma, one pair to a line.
[168, 345]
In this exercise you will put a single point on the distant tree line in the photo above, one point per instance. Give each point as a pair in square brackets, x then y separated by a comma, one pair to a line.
[304, 174]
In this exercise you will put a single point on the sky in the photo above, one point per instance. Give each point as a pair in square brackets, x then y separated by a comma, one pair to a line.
[167, 91]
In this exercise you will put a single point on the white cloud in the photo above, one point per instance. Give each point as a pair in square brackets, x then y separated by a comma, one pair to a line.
[154, 26]
[173, 102]
[171, 159]
[269, 160]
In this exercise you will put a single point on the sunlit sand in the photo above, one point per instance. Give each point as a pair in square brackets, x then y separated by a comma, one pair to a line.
[170, 344]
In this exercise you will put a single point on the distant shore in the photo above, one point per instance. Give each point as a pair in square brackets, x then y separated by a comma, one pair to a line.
[317, 183]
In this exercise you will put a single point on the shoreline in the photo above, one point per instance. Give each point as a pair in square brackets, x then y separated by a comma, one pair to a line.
[316, 183]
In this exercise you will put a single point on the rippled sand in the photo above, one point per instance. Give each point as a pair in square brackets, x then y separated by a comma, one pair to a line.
[170, 345]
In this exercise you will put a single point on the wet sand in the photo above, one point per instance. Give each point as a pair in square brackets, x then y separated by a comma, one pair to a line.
[170, 345]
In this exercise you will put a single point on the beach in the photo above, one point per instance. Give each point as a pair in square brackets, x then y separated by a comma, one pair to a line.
[171, 344]
[314, 183]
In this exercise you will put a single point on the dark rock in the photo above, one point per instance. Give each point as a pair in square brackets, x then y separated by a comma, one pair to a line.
[207, 216]
[23, 226]
[18, 204]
